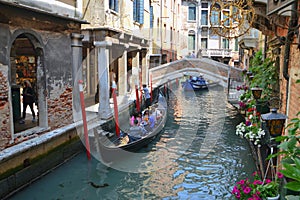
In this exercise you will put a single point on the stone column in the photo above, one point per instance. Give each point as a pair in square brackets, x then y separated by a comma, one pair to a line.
[122, 68]
[104, 109]
[76, 72]
[135, 70]
[144, 67]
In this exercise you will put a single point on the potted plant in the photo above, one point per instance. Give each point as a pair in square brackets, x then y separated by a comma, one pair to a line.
[251, 128]
[265, 76]
[257, 189]
[270, 189]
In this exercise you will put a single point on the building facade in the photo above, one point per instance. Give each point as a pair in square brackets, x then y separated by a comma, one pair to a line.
[33, 34]
[200, 39]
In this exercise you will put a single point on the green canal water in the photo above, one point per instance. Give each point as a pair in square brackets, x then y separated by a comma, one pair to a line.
[197, 156]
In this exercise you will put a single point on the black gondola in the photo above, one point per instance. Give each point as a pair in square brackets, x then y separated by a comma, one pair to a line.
[111, 148]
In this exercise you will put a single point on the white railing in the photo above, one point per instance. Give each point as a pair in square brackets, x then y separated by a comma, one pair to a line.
[216, 52]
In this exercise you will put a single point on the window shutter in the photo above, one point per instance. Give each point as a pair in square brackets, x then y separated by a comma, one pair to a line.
[151, 16]
[140, 5]
[134, 10]
[116, 5]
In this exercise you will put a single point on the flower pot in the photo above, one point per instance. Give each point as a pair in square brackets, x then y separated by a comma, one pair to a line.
[273, 198]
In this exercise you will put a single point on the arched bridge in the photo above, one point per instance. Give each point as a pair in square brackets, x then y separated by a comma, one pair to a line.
[212, 70]
[222, 74]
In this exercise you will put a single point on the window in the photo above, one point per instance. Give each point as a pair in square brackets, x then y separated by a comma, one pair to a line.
[138, 11]
[226, 18]
[192, 12]
[204, 17]
[236, 45]
[203, 43]
[204, 5]
[171, 35]
[191, 40]
[225, 43]
[114, 5]
[215, 17]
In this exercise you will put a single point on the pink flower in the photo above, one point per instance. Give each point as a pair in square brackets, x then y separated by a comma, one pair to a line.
[235, 190]
[268, 181]
[247, 190]
[279, 175]
[257, 182]
[241, 182]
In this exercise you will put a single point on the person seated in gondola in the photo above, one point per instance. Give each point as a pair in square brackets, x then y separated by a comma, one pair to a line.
[135, 132]
[148, 120]
[134, 116]
[156, 112]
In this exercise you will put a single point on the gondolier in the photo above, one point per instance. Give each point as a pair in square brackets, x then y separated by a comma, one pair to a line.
[147, 96]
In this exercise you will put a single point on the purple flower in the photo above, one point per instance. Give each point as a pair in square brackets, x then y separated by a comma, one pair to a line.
[248, 123]
[268, 181]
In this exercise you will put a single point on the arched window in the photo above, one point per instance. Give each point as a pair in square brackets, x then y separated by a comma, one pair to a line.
[191, 40]
[192, 12]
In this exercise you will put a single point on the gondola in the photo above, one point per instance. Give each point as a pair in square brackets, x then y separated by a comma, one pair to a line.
[195, 83]
[112, 149]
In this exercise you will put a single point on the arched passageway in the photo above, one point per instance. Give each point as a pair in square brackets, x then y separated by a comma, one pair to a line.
[25, 64]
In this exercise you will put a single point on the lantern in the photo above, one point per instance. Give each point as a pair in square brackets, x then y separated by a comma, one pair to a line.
[249, 73]
[274, 121]
[256, 92]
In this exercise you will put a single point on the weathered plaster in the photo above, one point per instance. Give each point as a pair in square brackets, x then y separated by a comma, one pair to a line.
[5, 136]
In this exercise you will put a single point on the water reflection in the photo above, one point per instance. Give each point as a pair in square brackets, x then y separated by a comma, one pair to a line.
[189, 170]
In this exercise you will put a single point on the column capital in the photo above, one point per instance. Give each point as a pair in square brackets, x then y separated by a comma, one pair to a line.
[76, 39]
[102, 43]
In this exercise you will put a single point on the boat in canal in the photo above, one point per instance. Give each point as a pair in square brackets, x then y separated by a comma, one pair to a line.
[195, 83]
[112, 148]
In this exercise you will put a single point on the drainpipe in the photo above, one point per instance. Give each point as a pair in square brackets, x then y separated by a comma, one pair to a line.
[292, 24]
[161, 39]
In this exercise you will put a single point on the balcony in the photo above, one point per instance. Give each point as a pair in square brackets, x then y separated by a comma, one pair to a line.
[216, 53]
[250, 40]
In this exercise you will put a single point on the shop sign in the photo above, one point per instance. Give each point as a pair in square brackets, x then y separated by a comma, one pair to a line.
[276, 5]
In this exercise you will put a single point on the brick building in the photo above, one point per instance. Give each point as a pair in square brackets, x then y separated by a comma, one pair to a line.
[37, 44]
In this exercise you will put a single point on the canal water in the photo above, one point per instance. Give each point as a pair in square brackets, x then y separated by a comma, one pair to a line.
[198, 156]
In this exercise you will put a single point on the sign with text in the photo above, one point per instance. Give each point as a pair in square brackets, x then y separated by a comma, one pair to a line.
[276, 5]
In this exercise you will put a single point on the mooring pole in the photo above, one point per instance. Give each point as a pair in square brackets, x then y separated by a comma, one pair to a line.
[85, 129]
[137, 101]
[116, 112]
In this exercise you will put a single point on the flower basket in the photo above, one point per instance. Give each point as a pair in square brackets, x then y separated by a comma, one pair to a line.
[273, 198]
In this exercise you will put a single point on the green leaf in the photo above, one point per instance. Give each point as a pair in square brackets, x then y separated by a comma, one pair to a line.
[291, 172]
[293, 185]
[297, 162]
[292, 197]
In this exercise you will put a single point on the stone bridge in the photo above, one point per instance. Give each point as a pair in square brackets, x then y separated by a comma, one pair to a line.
[213, 71]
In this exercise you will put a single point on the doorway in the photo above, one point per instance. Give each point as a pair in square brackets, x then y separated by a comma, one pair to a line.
[23, 68]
